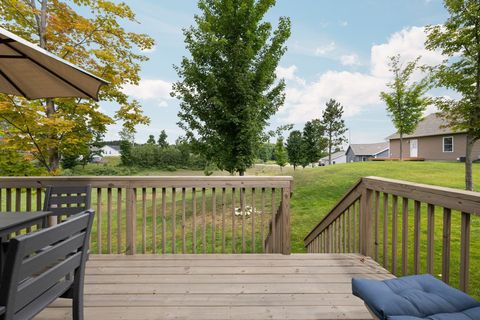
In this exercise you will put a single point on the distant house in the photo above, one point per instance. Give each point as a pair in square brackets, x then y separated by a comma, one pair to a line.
[432, 140]
[363, 152]
[337, 157]
[110, 151]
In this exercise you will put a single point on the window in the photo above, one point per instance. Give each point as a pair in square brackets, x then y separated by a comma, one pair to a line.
[447, 144]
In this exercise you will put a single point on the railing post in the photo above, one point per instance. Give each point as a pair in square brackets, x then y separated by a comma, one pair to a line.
[367, 221]
[286, 229]
[131, 221]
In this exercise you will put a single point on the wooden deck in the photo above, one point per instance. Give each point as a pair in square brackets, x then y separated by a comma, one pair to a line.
[250, 287]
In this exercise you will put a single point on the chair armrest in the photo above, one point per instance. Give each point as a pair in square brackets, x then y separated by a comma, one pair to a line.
[2, 310]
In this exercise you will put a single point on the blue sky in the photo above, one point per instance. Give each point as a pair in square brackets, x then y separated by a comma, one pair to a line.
[338, 49]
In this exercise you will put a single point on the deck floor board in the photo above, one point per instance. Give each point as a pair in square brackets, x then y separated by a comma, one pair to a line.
[237, 287]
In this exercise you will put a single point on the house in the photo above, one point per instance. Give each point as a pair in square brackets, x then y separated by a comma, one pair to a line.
[110, 151]
[337, 157]
[433, 140]
[363, 152]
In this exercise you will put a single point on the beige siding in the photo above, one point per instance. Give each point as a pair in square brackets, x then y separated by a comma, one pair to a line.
[431, 148]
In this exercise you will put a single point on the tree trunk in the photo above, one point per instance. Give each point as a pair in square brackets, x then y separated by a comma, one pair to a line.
[401, 146]
[468, 163]
[241, 173]
[330, 149]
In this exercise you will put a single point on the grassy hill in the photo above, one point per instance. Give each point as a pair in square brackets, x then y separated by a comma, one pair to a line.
[316, 190]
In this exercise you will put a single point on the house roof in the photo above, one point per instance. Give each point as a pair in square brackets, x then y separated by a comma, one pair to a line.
[431, 125]
[113, 146]
[335, 155]
[369, 149]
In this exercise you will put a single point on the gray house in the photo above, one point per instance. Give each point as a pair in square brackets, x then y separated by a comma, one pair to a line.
[363, 152]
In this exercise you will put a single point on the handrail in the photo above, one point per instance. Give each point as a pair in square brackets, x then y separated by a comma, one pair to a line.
[354, 224]
[170, 214]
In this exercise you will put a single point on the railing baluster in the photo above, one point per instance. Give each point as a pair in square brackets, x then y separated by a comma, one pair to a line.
[465, 252]
[234, 229]
[349, 230]
[253, 214]
[385, 229]
[164, 220]
[18, 199]
[194, 221]
[447, 225]
[109, 220]
[39, 199]
[184, 205]
[154, 220]
[9, 199]
[99, 220]
[224, 204]
[274, 211]
[174, 220]
[430, 237]
[416, 238]
[242, 209]
[355, 239]
[344, 232]
[204, 222]
[405, 236]
[214, 220]
[119, 220]
[262, 223]
[394, 233]
[144, 220]
[377, 219]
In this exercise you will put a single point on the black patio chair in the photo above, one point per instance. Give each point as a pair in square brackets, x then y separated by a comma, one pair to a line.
[45, 265]
[64, 201]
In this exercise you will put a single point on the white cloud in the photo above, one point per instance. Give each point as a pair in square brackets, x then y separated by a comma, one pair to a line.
[289, 74]
[344, 23]
[325, 49]
[350, 59]
[150, 89]
[354, 90]
[409, 43]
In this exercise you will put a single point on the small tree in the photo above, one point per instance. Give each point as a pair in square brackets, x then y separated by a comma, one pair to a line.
[151, 139]
[126, 146]
[294, 148]
[459, 40]
[334, 126]
[228, 87]
[406, 101]
[281, 157]
[314, 142]
[162, 139]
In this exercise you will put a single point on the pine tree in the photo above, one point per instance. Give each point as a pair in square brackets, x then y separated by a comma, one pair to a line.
[334, 126]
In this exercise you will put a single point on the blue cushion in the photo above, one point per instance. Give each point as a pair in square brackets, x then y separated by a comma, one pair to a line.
[414, 298]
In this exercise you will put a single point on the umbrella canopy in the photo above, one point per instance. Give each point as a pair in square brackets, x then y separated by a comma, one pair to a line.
[32, 72]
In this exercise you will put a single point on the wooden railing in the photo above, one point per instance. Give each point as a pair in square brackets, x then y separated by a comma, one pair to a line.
[366, 220]
[173, 214]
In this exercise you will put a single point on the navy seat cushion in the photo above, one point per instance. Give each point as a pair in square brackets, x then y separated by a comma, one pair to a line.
[415, 297]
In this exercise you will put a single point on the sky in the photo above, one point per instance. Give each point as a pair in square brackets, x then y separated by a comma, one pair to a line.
[338, 49]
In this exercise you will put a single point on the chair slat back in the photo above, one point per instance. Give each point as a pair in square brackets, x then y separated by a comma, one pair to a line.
[40, 266]
[67, 200]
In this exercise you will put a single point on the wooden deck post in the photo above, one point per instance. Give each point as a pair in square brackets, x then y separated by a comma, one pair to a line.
[367, 223]
[286, 228]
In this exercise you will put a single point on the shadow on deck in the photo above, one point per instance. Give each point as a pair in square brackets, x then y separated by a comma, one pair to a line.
[147, 287]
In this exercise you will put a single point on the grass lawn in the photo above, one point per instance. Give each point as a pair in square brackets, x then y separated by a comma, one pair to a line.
[316, 191]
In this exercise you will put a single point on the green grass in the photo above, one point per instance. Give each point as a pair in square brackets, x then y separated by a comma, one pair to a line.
[316, 191]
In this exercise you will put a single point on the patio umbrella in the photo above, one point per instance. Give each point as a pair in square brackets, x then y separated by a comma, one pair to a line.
[32, 72]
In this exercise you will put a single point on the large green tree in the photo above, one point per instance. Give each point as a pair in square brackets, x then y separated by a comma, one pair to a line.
[162, 139]
[334, 126]
[227, 87]
[88, 33]
[314, 142]
[459, 40]
[406, 100]
[294, 148]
